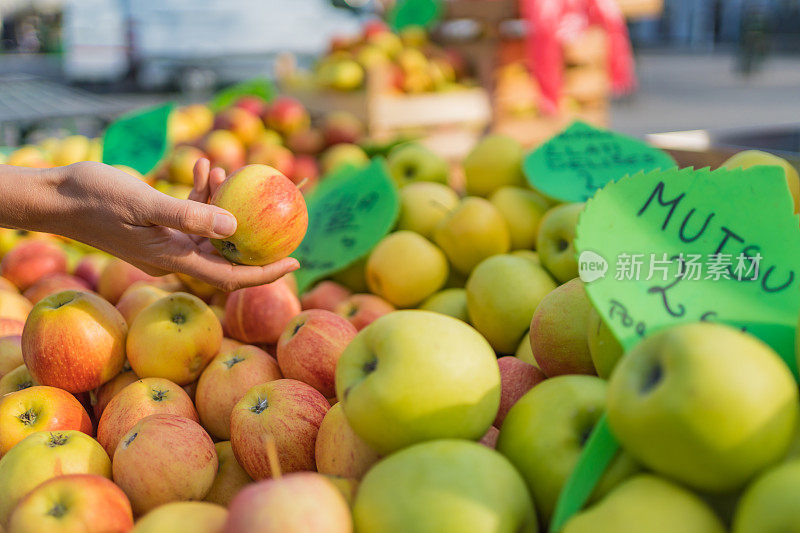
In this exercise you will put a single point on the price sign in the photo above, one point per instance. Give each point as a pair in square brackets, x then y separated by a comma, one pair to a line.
[348, 213]
[574, 164]
[138, 140]
[424, 13]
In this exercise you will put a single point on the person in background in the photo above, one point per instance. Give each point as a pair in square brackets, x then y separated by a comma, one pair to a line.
[119, 214]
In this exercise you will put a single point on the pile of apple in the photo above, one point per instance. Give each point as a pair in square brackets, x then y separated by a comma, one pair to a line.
[447, 382]
[409, 61]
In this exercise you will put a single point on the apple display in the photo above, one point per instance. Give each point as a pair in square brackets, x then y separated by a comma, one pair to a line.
[285, 411]
[496, 161]
[472, 232]
[310, 347]
[502, 294]
[174, 338]
[557, 414]
[300, 501]
[39, 409]
[231, 477]
[363, 309]
[162, 459]
[45, 455]
[339, 451]
[140, 399]
[559, 329]
[738, 418]
[444, 486]
[423, 205]
[270, 211]
[74, 341]
[76, 502]
[226, 380]
[555, 241]
[450, 302]
[413, 376]
[258, 315]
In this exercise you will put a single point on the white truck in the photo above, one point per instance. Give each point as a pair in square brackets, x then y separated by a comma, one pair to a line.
[193, 43]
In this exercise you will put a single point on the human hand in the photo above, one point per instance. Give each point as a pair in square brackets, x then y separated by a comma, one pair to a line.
[115, 212]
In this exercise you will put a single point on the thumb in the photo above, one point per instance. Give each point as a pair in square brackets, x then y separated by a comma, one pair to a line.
[192, 217]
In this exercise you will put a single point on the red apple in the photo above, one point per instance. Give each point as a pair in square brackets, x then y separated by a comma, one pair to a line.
[260, 314]
[242, 123]
[226, 380]
[108, 390]
[254, 104]
[75, 341]
[339, 451]
[76, 502]
[286, 411]
[342, 127]
[224, 149]
[140, 399]
[90, 267]
[30, 260]
[310, 346]
[10, 353]
[231, 477]
[272, 155]
[162, 459]
[116, 277]
[39, 409]
[516, 378]
[303, 501]
[11, 326]
[287, 115]
[325, 295]
[306, 142]
[271, 214]
[53, 283]
[363, 309]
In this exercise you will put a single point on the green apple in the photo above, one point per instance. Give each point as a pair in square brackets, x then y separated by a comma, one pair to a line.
[502, 295]
[423, 205]
[404, 268]
[522, 210]
[451, 302]
[558, 331]
[530, 255]
[555, 241]
[705, 404]
[444, 486]
[524, 351]
[413, 376]
[769, 504]
[604, 347]
[750, 158]
[647, 504]
[414, 162]
[472, 232]
[544, 433]
[494, 162]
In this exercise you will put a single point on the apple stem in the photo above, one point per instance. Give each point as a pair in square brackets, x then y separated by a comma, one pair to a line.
[302, 183]
[272, 456]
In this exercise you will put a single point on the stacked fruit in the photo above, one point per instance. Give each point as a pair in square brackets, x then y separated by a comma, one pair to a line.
[447, 382]
[410, 62]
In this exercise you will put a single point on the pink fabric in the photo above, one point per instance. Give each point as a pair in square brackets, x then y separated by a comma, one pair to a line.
[553, 22]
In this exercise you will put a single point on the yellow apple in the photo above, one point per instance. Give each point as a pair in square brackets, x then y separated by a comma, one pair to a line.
[494, 162]
[339, 451]
[522, 210]
[769, 504]
[451, 302]
[423, 205]
[197, 517]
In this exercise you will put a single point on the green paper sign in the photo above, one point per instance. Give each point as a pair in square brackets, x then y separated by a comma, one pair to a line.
[138, 140]
[426, 13]
[574, 164]
[668, 247]
[348, 213]
[261, 87]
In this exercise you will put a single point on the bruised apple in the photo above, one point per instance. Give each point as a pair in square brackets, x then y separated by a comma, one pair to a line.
[270, 211]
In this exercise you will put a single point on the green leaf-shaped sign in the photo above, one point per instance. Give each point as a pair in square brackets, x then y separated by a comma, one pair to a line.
[424, 13]
[574, 164]
[261, 87]
[667, 247]
[348, 213]
[137, 140]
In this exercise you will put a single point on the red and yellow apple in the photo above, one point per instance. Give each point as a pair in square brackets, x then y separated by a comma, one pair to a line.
[260, 314]
[363, 309]
[108, 390]
[137, 297]
[116, 277]
[225, 150]
[53, 283]
[27, 262]
[325, 295]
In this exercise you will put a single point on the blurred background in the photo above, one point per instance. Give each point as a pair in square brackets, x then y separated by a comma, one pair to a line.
[700, 64]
